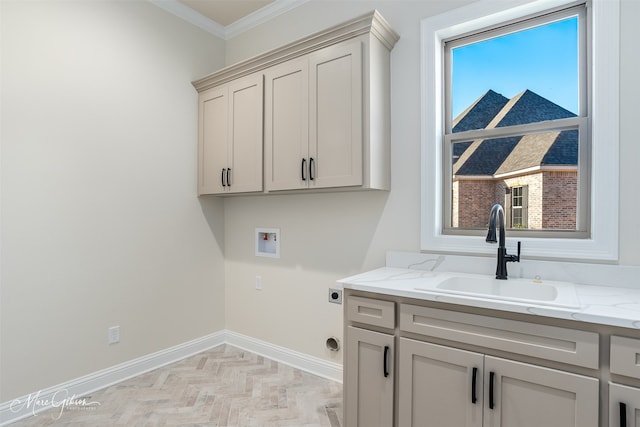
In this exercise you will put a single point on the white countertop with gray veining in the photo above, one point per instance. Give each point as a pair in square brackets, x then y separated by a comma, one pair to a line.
[608, 305]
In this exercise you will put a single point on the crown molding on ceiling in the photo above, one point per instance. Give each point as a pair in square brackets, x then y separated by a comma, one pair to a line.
[191, 16]
[278, 7]
[260, 16]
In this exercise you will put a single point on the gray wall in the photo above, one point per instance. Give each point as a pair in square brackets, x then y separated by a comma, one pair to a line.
[101, 225]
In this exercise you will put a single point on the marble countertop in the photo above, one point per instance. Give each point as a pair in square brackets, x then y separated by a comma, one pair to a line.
[607, 305]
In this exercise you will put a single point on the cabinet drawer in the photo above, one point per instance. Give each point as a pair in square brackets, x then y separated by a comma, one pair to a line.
[564, 345]
[371, 312]
[625, 356]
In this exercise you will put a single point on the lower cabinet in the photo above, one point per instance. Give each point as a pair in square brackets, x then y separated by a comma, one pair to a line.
[624, 406]
[439, 386]
[443, 386]
[461, 369]
[370, 378]
[524, 395]
[624, 401]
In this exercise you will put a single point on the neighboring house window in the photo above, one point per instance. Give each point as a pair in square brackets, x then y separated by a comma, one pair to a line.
[516, 130]
[517, 214]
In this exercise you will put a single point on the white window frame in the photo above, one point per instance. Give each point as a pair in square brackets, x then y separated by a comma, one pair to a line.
[602, 244]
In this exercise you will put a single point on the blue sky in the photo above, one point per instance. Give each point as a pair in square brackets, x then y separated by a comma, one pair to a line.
[543, 59]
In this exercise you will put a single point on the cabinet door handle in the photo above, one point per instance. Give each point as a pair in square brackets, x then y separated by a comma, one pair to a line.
[229, 177]
[222, 177]
[385, 363]
[302, 169]
[623, 414]
[474, 398]
[491, 378]
[311, 167]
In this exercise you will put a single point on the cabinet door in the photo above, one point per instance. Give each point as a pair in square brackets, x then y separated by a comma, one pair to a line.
[213, 130]
[525, 395]
[335, 116]
[245, 130]
[368, 392]
[624, 406]
[436, 386]
[287, 125]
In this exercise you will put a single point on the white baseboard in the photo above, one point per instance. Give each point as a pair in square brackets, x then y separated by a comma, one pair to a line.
[311, 364]
[71, 391]
[58, 395]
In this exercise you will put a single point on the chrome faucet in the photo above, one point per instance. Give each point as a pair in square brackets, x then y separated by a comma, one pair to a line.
[497, 214]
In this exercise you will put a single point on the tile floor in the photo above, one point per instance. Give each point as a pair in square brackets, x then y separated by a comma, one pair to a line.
[224, 386]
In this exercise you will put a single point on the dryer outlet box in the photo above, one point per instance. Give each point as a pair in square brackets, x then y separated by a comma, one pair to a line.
[335, 296]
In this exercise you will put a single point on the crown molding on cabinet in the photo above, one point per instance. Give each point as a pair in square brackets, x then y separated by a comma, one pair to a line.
[372, 22]
[260, 16]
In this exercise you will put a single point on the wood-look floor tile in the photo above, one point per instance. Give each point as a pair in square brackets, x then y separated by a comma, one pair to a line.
[221, 387]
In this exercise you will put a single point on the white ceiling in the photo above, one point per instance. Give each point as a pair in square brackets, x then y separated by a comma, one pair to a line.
[227, 18]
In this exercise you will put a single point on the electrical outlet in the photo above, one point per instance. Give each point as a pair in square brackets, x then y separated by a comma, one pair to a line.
[258, 283]
[114, 334]
[335, 296]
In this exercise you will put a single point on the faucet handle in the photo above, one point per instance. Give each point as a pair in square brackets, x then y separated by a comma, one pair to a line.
[514, 258]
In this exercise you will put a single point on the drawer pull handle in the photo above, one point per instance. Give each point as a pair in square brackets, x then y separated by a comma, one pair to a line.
[474, 398]
[623, 414]
[491, 378]
[302, 169]
[222, 177]
[369, 311]
[229, 177]
[311, 168]
[385, 363]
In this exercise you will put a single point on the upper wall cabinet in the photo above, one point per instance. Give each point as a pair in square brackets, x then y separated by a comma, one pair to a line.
[313, 120]
[230, 137]
[286, 126]
[326, 113]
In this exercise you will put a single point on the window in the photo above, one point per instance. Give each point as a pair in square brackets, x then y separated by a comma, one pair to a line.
[535, 133]
[517, 213]
[550, 161]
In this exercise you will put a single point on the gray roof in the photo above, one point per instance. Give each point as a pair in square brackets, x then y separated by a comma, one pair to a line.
[529, 107]
[505, 155]
[479, 114]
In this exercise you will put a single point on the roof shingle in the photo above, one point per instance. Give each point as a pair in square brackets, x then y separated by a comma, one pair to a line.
[505, 155]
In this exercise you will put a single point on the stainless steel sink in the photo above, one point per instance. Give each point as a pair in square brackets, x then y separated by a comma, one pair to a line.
[557, 294]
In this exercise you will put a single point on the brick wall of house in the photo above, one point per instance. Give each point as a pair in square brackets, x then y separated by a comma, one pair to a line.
[475, 199]
[551, 200]
[560, 200]
[454, 203]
